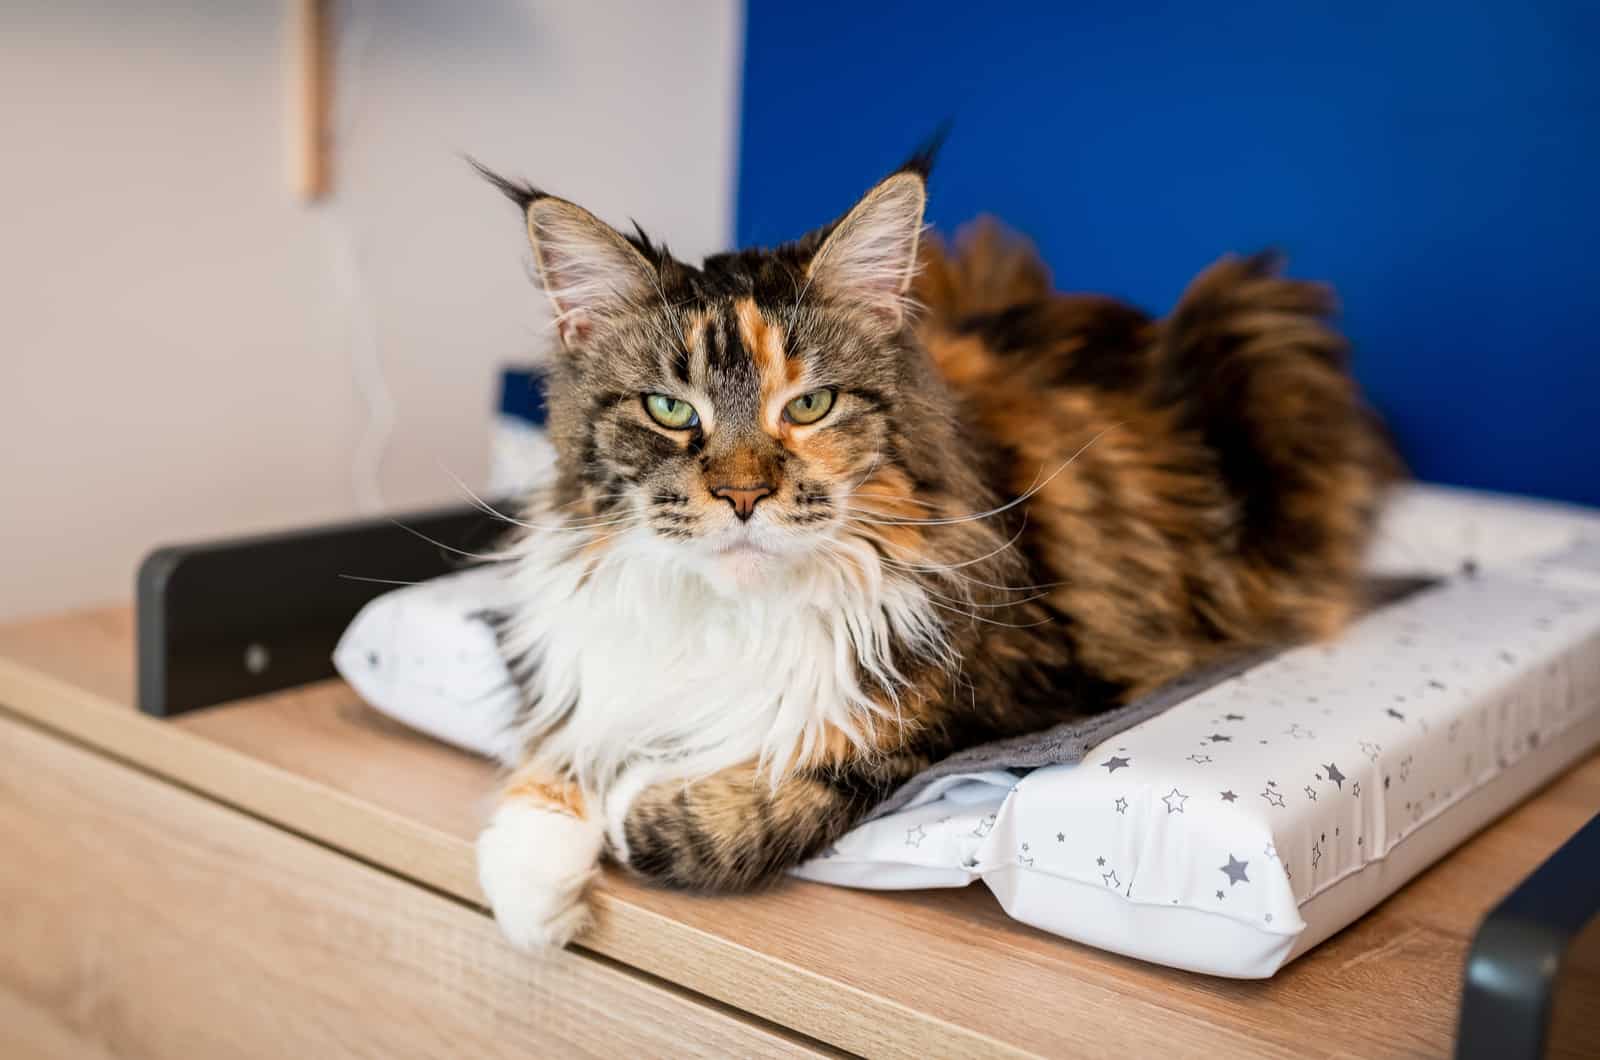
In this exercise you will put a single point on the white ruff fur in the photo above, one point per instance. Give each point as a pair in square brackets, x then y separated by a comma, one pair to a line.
[661, 661]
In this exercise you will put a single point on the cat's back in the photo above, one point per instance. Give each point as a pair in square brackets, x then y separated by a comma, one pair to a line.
[1198, 481]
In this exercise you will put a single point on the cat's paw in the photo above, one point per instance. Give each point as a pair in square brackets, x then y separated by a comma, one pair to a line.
[534, 865]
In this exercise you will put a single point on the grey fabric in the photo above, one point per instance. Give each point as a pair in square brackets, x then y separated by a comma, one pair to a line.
[1071, 740]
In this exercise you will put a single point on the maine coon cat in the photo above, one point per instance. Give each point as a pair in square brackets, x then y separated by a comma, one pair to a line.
[828, 512]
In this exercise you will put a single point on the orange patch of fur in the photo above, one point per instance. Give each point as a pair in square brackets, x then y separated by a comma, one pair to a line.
[558, 796]
[763, 340]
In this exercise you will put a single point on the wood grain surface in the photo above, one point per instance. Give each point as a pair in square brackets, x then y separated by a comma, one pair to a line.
[883, 974]
[142, 920]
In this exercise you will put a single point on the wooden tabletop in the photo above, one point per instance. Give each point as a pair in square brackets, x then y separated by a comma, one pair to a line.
[882, 974]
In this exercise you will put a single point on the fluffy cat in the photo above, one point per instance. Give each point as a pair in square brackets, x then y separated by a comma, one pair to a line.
[827, 513]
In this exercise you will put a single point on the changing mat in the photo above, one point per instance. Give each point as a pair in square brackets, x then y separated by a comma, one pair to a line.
[1254, 814]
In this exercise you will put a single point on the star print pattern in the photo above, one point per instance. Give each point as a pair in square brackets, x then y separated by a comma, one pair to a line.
[1332, 754]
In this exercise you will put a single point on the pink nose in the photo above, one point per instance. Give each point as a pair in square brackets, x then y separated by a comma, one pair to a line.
[743, 498]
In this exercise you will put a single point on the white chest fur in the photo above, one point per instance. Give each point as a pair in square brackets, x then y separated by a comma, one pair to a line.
[645, 658]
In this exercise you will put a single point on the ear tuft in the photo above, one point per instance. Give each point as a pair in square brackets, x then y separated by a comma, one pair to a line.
[518, 191]
[922, 159]
[871, 255]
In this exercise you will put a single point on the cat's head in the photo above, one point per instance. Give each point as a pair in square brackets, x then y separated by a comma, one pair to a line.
[744, 412]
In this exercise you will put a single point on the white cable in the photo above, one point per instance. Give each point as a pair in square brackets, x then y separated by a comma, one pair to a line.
[352, 36]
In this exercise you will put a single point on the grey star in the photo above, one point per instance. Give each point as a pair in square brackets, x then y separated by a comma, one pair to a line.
[1272, 797]
[1122, 806]
[1200, 760]
[983, 827]
[1229, 796]
[1371, 750]
[1110, 878]
[1114, 763]
[1311, 793]
[1217, 737]
[1235, 871]
[1101, 862]
[1269, 918]
[915, 835]
[1023, 859]
[1335, 776]
[1355, 789]
[1233, 717]
[1170, 796]
[1316, 854]
[1220, 896]
[1396, 714]
[1061, 837]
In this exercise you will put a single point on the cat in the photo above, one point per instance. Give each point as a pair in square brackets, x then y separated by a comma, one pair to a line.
[825, 513]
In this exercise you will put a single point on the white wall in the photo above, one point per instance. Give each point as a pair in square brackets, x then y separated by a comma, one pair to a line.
[176, 354]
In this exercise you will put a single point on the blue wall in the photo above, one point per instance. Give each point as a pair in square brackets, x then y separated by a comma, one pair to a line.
[1438, 162]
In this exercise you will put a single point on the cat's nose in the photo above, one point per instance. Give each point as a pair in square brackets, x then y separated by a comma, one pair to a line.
[743, 498]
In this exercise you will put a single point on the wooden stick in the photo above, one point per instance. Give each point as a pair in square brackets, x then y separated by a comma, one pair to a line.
[313, 72]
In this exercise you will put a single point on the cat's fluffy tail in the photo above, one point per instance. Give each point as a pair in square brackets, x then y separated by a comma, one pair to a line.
[987, 269]
[1250, 362]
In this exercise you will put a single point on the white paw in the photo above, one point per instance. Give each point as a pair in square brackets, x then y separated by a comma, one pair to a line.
[534, 866]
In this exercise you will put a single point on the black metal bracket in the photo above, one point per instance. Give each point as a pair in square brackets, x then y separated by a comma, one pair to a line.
[1516, 960]
[230, 619]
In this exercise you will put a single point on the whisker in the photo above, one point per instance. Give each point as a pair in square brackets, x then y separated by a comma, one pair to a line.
[492, 557]
[992, 621]
[375, 581]
[1030, 492]
[888, 497]
[990, 607]
[935, 567]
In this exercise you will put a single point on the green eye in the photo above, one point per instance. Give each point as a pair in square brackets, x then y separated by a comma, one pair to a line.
[671, 412]
[809, 408]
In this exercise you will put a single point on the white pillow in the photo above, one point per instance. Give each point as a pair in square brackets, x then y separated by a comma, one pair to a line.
[1301, 792]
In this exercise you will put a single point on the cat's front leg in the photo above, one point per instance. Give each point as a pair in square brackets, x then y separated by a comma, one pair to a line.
[736, 829]
[536, 860]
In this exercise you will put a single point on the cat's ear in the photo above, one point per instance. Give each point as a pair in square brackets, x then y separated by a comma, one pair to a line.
[586, 267]
[870, 256]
